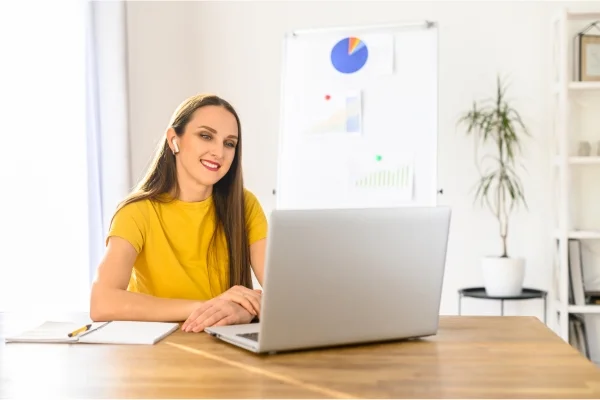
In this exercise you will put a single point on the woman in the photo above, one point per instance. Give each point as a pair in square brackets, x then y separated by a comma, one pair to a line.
[180, 247]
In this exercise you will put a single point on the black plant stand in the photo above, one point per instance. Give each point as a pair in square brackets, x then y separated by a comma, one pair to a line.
[479, 293]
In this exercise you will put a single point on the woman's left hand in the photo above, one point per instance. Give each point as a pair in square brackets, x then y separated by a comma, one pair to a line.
[216, 312]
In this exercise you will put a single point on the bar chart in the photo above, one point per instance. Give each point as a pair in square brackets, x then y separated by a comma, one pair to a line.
[394, 178]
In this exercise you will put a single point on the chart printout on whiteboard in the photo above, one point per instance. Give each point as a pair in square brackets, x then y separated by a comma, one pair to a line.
[334, 112]
[359, 119]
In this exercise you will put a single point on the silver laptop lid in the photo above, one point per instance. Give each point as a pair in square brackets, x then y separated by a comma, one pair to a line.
[352, 275]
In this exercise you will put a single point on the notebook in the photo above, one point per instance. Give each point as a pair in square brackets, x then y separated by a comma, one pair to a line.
[114, 332]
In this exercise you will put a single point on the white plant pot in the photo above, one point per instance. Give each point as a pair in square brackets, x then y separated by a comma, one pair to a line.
[503, 276]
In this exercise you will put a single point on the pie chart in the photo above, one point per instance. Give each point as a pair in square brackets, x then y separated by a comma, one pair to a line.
[349, 55]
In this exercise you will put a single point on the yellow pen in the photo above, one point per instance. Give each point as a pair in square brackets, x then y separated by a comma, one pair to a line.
[80, 330]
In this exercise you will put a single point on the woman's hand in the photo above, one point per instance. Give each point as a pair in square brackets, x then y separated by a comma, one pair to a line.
[248, 298]
[216, 312]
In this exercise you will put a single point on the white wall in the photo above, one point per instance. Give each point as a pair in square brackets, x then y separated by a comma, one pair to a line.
[162, 47]
[234, 50]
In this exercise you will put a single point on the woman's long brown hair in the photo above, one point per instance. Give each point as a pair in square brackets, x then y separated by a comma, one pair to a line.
[227, 193]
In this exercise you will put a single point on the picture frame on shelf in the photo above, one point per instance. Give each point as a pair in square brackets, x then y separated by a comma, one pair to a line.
[588, 54]
[590, 58]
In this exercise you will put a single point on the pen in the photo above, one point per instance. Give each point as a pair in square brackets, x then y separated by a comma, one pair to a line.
[80, 330]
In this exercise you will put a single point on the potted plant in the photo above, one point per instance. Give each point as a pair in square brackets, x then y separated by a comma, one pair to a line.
[495, 123]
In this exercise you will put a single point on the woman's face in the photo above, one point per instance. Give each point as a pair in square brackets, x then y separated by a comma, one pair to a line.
[207, 146]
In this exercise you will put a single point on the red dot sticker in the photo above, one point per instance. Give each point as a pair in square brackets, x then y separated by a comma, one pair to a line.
[327, 97]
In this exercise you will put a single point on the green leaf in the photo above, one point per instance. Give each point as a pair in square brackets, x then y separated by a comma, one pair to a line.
[495, 122]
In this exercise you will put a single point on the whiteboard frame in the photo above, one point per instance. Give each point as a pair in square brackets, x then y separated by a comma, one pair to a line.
[421, 24]
[425, 24]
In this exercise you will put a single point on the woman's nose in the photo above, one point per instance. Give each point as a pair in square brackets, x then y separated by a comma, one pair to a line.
[217, 150]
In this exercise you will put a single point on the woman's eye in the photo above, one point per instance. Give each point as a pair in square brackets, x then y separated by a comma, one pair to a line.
[207, 137]
[229, 144]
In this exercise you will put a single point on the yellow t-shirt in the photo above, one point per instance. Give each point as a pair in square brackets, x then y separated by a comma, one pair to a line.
[172, 241]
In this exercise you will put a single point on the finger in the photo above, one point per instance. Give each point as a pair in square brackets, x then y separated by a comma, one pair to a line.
[196, 313]
[254, 298]
[245, 302]
[214, 318]
[240, 299]
[207, 313]
[255, 305]
[228, 320]
[201, 318]
[246, 291]
[257, 293]
[253, 295]
[242, 295]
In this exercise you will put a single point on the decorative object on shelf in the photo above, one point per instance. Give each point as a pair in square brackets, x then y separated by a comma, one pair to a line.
[587, 53]
[496, 123]
[585, 149]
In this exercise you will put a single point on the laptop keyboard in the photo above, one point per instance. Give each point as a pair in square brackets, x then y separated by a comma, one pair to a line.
[251, 336]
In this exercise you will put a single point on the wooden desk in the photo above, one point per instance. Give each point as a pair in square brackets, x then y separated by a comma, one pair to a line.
[471, 357]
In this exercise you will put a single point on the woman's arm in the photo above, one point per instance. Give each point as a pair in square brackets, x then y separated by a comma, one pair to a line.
[257, 259]
[110, 299]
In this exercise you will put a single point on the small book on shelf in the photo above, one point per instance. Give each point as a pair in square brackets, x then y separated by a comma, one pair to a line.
[576, 279]
[578, 335]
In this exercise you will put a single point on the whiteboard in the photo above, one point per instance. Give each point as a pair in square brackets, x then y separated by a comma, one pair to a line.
[359, 117]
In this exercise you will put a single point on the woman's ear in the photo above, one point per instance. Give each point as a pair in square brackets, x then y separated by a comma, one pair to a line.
[172, 140]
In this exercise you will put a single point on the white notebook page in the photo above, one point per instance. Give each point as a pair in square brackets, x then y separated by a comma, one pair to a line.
[50, 332]
[130, 332]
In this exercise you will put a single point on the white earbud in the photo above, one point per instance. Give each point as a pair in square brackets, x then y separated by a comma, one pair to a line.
[175, 146]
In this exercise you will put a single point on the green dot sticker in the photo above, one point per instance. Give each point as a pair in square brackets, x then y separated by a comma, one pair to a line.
[377, 158]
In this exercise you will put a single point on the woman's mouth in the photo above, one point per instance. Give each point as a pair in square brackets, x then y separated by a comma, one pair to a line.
[211, 166]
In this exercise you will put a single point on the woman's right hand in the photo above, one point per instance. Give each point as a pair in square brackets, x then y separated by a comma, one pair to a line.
[216, 312]
[250, 299]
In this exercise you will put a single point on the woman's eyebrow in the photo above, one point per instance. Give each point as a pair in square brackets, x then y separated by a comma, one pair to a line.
[208, 128]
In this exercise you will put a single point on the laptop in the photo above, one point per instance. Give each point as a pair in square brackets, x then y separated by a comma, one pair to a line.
[337, 277]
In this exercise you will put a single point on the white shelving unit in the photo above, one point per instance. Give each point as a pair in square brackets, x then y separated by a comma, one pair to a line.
[566, 162]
